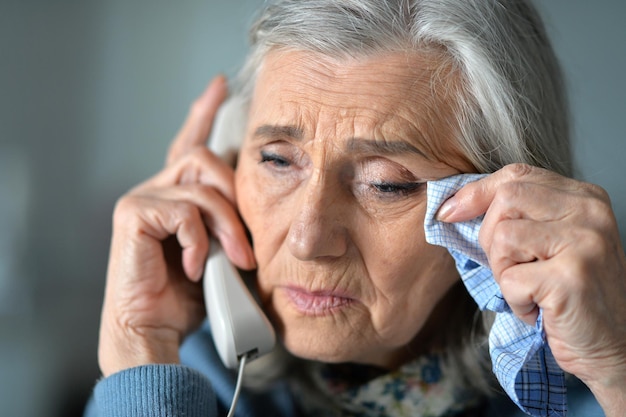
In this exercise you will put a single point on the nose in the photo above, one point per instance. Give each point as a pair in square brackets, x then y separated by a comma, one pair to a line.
[318, 229]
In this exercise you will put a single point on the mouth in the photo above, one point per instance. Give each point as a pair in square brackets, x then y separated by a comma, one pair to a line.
[316, 303]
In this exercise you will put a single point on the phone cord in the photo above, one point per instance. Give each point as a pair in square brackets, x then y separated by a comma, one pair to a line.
[233, 404]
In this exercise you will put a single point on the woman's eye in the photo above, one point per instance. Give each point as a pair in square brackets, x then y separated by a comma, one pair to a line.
[397, 188]
[274, 159]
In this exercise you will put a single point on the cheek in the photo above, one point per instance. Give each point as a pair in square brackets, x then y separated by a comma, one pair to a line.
[410, 277]
[259, 211]
[250, 200]
[245, 195]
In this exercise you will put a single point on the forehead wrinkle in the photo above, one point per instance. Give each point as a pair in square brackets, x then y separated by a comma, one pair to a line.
[317, 85]
[332, 77]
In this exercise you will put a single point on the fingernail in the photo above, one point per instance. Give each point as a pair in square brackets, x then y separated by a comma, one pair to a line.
[446, 209]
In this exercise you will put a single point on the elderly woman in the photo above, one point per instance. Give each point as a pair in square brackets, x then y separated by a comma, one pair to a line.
[352, 111]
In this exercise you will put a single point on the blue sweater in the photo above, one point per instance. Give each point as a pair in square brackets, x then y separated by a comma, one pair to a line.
[202, 387]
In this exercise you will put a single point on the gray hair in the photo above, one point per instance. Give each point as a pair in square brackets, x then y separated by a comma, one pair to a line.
[511, 105]
[510, 101]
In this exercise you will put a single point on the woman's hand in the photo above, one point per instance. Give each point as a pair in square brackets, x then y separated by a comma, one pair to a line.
[553, 243]
[159, 245]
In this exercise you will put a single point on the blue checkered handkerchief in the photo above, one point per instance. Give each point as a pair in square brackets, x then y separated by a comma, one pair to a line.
[520, 356]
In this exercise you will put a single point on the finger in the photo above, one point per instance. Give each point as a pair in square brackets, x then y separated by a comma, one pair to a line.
[514, 242]
[514, 245]
[475, 198]
[157, 219]
[524, 229]
[556, 285]
[199, 166]
[519, 290]
[519, 252]
[558, 219]
[194, 242]
[195, 131]
[218, 215]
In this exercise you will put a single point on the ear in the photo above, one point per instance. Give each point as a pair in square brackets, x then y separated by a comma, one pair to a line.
[229, 129]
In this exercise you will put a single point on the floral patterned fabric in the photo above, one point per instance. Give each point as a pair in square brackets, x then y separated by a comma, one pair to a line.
[422, 388]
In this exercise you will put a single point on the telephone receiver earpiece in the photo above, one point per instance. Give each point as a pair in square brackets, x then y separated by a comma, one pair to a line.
[229, 128]
[238, 325]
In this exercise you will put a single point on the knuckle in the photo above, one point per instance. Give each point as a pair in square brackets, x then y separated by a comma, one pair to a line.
[197, 108]
[596, 191]
[184, 210]
[510, 190]
[575, 274]
[599, 213]
[200, 156]
[200, 193]
[521, 172]
[600, 210]
[593, 242]
[518, 170]
[182, 214]
[504, 236]
[125, 209]
[509, 193]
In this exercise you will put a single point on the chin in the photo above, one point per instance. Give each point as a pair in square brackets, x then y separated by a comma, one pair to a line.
[318, 337]
[327, 339]
[334, 331]
[322, 349]
[341, 350]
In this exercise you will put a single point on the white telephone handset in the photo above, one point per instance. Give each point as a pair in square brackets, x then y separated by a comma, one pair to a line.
[239, 326]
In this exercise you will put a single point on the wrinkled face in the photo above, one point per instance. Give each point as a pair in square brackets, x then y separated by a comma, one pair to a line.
[331, 184]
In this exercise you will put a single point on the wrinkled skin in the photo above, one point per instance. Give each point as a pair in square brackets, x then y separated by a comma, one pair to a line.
[343, 264]
[336, 221]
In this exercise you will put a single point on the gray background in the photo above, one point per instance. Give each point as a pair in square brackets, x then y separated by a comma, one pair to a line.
[91, 94]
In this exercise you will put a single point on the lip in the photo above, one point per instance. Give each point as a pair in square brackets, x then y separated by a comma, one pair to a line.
[317, 303]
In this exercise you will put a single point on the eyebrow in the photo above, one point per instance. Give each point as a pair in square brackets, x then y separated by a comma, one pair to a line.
[356, 144]
[277, 131]
[382, 147]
